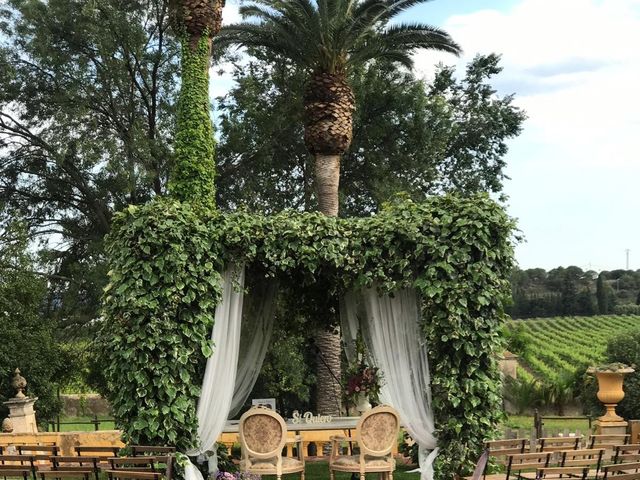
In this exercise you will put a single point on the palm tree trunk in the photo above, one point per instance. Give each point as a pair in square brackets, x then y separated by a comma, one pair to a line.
[327, 179]
[328, 373]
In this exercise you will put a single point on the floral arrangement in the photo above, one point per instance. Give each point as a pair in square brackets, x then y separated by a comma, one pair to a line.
[361, 378]
[237, 476]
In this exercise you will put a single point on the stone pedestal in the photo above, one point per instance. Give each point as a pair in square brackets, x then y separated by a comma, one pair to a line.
[611, 428]
[22, 414]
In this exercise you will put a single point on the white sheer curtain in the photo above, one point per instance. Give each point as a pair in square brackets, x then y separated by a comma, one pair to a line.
[257, 327]
[391, 329]
[240, 341]
[215, 399]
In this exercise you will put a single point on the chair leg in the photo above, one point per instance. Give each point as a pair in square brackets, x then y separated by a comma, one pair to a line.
[362, 477]
[302, 475]
[390, 475]
[332, 475]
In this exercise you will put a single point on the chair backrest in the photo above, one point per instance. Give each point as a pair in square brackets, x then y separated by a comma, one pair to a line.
[95, 451]
[263, 433]
[558, 472]
[377, 430]
[132, 475]
[519, 462]
[40, 452]
[608, 440]
[622, 471]
[17, 460]
[142, 463]
[627, 453]
[591, 457]
[137, 450]
[74, 463]
[553, 444]
[507, 446]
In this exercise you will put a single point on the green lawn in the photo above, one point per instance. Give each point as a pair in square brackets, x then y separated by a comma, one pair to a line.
[526, 422]
[69, 424]
[320, 471]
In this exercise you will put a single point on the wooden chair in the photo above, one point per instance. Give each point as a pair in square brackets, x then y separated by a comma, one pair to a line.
[554, 444]
[147, 463]
[558, 472]
[376, 435]
[41, 455]
[39, 452]
[607, 441]
[525, 465]
[591, 458]
[132, 475]
[77, 464]
[15, 471]
[506, 447]
[498, 448]
[622, 471]
[627, 453]
[16, 466]
[139, 450]
[263, 435]
[59, 474]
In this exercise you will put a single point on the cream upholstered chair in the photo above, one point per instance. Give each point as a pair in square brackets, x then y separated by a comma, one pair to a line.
[376, 435]
[263, 435]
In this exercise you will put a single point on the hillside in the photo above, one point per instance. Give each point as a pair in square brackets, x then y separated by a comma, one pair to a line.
[559, 345]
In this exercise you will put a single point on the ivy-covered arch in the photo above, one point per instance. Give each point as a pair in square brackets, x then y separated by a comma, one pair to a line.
[165, 284]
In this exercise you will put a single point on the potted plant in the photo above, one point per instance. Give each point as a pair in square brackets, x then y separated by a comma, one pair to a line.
[610, 379]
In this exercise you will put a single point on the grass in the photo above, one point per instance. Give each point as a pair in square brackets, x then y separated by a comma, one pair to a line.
[81, 424]
[320, 471]
[525, 422]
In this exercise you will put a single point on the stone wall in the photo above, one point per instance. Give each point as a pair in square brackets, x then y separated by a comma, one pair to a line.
[85, 405]
[65, 440]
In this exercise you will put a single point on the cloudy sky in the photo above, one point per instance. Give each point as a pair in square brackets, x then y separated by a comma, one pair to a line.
[574, 66]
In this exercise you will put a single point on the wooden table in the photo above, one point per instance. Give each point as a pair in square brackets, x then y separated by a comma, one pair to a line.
[318, 434]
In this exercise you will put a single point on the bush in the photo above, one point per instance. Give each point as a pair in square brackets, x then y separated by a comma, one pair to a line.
[625, 348]
[627, 309]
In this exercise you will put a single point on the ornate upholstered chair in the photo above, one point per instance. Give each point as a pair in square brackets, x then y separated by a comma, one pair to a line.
[376, 435]
[263, 435]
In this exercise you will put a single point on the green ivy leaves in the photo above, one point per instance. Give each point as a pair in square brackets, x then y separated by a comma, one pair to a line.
[165, 284]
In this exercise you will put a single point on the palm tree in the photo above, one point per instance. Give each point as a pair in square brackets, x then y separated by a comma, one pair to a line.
[195, 22]
[328, 38]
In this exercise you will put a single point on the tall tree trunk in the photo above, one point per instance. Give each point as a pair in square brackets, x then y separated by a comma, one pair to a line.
[329, 104]
[328, 373]
[196, 22]
[327, 178]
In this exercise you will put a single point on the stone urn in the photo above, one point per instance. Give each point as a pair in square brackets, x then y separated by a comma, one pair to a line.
[610, 392]
[7, 425]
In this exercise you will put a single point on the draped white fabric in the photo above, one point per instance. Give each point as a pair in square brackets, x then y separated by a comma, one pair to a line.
[240, 342]
[257, 327]
[215, 402]
[391, 330]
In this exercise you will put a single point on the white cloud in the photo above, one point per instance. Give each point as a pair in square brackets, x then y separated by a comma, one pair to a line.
[574, 66]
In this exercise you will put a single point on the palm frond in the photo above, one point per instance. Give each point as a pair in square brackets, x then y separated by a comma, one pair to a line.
[329, 35]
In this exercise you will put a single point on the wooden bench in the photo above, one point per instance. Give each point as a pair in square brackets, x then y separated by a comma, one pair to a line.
[523, 463]
[622, 471]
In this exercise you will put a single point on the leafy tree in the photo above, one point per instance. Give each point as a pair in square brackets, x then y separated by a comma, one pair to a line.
[27, 335]
[86, 117]
[328, 40]
[263, 162]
